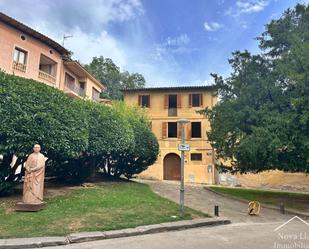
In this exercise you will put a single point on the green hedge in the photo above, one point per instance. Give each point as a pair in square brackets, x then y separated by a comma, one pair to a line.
[77, 136]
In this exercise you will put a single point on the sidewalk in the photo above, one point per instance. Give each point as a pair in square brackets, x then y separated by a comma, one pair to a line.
[39, 242]
[197, 197]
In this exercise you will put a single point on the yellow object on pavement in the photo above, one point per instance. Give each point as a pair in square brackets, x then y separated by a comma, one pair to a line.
[254, 208]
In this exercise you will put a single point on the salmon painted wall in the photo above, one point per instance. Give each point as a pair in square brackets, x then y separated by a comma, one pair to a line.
[11, 38]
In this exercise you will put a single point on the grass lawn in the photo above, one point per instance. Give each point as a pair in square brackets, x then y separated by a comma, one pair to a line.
[105, 206]
[296, 201]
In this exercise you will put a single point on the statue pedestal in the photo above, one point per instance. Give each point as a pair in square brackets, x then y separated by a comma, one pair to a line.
[25, 207]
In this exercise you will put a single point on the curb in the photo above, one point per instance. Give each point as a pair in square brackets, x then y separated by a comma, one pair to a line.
[287, 211]
[38, 242]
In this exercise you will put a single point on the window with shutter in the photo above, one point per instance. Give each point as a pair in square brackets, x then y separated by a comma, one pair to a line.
[196, 100]
[165, 101]
[196, 130]
[144, 100]
[164, 130]
[178, 100]
[190, 100]
[179, 130]
[189, 130]
[172, 130]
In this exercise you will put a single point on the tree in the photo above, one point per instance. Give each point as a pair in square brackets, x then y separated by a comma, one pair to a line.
[109, 134]
[107, 72]
[262, 119]
[30, 113]
[79, 137]
[134, 80]
[144, 150]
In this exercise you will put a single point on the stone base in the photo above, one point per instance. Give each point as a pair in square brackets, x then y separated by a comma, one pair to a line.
[24, 207]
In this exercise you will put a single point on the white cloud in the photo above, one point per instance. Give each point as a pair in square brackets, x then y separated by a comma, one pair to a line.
[171, 46]
[85, 46]
[251, 6]
[89, 16]
[212, 26]
[247, 7]
[180, 40]
[87, 21]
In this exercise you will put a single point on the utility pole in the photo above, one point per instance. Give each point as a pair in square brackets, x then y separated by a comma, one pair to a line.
[182, 147]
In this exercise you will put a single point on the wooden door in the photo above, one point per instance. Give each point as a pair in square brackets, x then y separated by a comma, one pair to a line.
[171, 167]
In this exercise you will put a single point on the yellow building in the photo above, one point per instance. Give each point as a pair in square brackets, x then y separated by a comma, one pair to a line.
[165, 105]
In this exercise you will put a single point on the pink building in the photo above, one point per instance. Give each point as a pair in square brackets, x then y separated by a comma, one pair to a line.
[30, 54]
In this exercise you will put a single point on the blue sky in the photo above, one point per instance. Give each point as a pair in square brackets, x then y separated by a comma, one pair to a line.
[171, 42]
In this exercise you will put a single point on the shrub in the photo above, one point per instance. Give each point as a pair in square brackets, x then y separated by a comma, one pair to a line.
[78, 137]
[109, 134]
[134, 160]
[31, 112]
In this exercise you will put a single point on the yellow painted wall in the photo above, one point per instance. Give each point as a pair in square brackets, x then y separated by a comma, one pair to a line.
[273, 179]
[195, 171]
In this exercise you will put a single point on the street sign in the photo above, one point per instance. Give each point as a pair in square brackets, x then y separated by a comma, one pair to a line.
[183, 147]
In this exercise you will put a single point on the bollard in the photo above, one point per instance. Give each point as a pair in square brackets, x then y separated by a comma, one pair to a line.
[282, 209]
[216, 210]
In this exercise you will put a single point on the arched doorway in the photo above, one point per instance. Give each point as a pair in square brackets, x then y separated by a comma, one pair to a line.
[171, 167]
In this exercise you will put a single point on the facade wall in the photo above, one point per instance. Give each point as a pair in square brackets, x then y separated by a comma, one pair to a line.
[273, 179]
[89, 88]
[11, 38]
[195, 171]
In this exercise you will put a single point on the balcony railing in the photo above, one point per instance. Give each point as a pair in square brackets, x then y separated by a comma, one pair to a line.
[48, 77]
[19, 67]
[75, 88]
[172, 112]
[96, 97]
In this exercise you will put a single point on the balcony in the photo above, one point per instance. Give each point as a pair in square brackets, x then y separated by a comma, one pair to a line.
[172, 112]
[19, 67]
[48, 77]
[74, 90]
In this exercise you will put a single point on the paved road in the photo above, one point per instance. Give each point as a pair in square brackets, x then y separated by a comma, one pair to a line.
[200, 199]
[234, 236]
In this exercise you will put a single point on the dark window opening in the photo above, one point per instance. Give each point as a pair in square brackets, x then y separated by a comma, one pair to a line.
[172, 101]
[172, 129]
[95, 94]
[69, 81]
[145, 100]
[82, 87]
[196, 102]
[48, 66]
[196, 156]
[196, 129]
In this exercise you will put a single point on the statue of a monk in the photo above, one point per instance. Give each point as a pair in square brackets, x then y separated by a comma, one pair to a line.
[34, 177]
[33, 182]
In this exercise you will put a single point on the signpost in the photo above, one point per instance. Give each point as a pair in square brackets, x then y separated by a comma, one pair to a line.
[182, 147]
